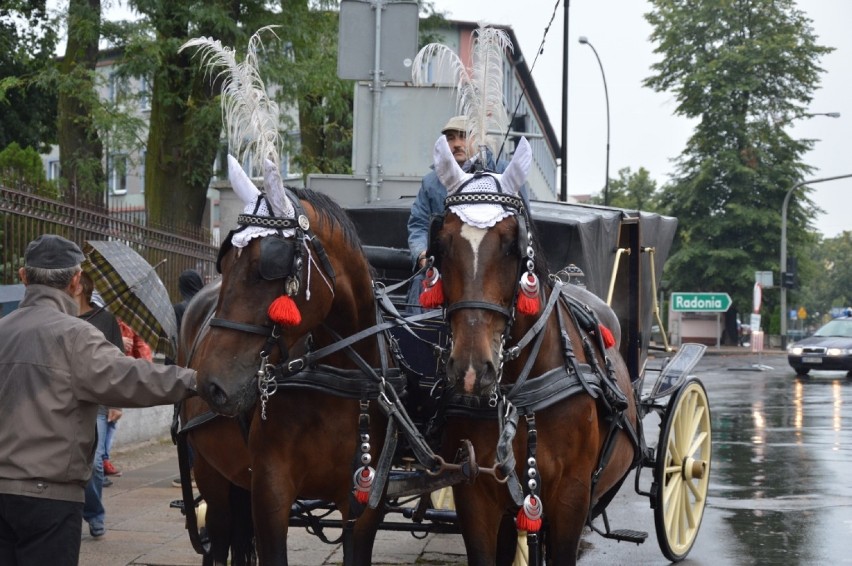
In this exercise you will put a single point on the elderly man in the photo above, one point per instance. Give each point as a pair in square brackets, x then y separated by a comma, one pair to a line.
[55, 369]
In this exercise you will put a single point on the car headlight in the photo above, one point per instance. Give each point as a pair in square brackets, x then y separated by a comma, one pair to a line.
[794, 350]
[837, 352]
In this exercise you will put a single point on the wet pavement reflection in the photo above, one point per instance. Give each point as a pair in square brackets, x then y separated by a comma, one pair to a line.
[781, 471]
[781, 463]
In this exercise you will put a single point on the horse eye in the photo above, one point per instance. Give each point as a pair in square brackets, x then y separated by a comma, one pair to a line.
[438, 246]
[508, 245]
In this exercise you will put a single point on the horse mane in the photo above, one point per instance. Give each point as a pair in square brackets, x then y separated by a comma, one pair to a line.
[332, 214]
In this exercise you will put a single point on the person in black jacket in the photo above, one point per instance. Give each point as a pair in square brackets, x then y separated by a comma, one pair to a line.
[189, 283]
[93, 508]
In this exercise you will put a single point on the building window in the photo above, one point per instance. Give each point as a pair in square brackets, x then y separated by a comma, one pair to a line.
[289, 165]
[53, 170]
[118, 174]
[144, 95]
[142, 172]
[220, 165]
[117, 88]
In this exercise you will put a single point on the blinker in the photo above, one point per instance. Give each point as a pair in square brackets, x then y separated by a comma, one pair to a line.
[276, 257]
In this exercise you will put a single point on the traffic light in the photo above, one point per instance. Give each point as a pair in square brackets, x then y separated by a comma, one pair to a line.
[788, 278]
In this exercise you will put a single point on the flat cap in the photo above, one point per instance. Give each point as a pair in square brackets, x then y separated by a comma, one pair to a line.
[50, 251]
[455, 124]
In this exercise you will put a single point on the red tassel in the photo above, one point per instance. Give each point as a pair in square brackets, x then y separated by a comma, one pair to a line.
[528, 297]
[363, 479]
[528, 305]
[362, 497]
[432, 295]
[529, 520]
[606, 334]
[283, 310]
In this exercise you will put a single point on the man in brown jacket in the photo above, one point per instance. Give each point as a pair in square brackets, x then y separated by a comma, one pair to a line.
[55, 369]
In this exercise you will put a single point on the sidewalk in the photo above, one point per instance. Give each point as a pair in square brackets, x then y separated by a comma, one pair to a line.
[142, 530]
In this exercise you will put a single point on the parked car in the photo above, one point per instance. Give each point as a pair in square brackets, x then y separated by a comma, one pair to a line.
[830, 348]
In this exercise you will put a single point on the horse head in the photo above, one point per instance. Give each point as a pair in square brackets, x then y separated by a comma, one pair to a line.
[481, 249]
[284, 271]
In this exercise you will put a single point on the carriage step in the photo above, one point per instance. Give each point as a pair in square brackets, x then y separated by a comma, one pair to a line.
[627, 535]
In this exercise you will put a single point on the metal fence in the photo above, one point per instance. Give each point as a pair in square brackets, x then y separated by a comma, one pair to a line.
[24, 215]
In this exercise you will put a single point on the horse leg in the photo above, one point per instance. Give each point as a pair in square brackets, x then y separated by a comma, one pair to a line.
[214, 489]
[362, 535]
[566, 512]
[242, 529]
[271, 502]
[507, 541]
[479, 518]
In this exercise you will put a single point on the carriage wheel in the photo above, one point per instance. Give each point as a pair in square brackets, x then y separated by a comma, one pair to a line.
[682, 472]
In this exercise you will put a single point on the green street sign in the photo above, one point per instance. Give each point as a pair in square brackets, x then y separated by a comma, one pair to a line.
[700, 302]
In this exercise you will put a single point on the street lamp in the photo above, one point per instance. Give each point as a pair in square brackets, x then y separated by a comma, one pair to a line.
[829, 114]
[585, 41]
[783, 265]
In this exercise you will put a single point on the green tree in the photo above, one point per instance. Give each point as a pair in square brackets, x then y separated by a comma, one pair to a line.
[831, 283]
[307, 75]
[185, 121]
[80, 146]
[745, 70]
[24, 164]
[27, 42]
[631, 190]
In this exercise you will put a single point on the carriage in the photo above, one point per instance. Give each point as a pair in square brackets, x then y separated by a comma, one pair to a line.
[614, 253]
[518, 379]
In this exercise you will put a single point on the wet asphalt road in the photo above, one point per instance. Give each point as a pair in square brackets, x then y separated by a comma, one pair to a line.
[781, 472]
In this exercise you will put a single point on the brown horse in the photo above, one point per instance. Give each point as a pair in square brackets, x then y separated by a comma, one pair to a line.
[221, 462]
[311, 427]
[543, 359]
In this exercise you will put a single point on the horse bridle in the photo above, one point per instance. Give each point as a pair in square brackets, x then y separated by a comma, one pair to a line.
[271, 269]
[507, 201]
[526, 255]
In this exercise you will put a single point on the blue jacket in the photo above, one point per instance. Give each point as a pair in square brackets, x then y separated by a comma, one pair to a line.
[430, 201]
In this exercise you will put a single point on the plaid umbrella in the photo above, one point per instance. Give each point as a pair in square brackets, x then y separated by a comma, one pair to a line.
[133, 292]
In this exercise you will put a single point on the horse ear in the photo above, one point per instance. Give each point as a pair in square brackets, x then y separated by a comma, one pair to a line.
[449, 172]
[516, 173]
[274, 186]
[240, 182]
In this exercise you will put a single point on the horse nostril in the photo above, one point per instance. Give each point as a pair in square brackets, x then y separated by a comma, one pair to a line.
[489, 375]
[215, 394]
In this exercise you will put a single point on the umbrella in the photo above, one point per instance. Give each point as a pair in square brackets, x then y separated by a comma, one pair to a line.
[133, 292]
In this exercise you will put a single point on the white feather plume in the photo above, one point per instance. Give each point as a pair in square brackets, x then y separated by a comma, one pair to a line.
[480, 88]
[250, 116]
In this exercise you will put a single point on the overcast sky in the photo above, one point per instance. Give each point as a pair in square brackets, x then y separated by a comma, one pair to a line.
[643, 130]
